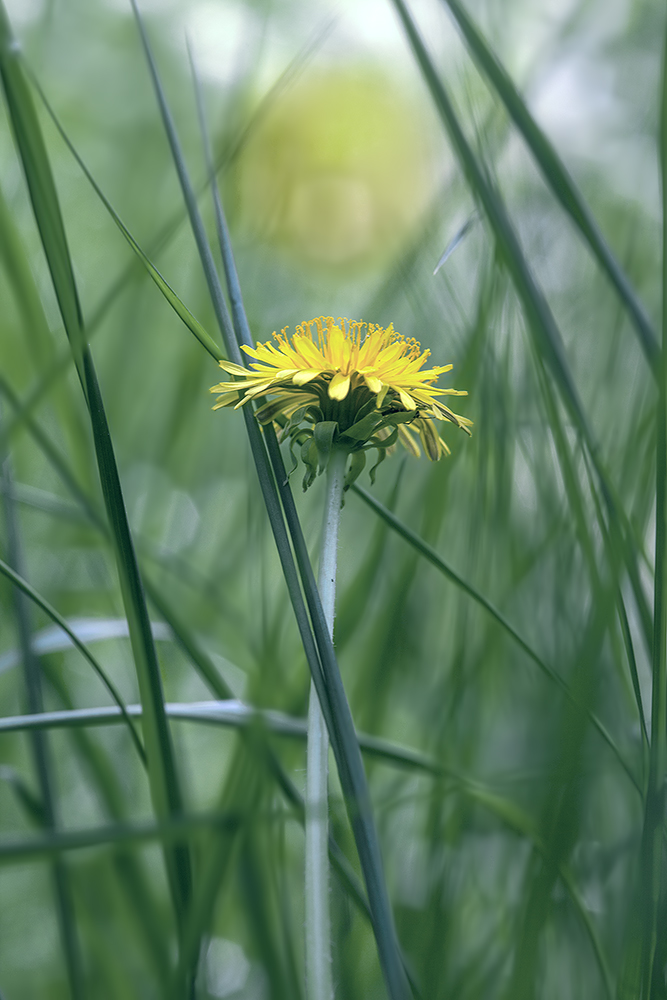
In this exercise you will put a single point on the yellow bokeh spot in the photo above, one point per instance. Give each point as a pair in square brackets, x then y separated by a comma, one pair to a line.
[338, 171]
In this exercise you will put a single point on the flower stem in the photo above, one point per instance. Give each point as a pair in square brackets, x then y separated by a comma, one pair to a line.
[319, 984]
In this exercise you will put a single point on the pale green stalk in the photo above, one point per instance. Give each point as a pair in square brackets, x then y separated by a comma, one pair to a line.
[319, 984]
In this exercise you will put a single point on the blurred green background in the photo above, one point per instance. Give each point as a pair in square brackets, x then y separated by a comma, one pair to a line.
[514, 869]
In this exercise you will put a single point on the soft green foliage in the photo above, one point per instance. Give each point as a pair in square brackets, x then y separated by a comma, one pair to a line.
[501, 614]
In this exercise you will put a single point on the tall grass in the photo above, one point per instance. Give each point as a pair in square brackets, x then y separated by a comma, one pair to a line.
[500, 627]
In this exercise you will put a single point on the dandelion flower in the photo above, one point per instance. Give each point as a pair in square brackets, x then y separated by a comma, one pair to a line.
[347, 384]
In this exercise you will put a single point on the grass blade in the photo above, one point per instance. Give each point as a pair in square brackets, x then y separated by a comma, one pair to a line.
[539, 318]
[42, 760]
[230, 713]
[558, 179]
[328, 682]
[172, 830]
[164, 786]
[652, 853]
[440, 564]
[49, 610]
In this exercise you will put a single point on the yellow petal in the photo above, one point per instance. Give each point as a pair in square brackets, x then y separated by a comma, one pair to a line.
[407, 401]
[373, 382]
[232, 368]
[306, 376]
[339, 386]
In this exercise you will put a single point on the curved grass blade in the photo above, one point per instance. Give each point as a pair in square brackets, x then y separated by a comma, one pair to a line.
[519, 822]
[327, 679]
[190, 646]
[223, 160]
[540, 320]
[558, 179]
[432, 556]
[170, 295]
[87, 630]
[173, 830]
[232, 713]
[652, 853]
[196, 656]
[163, 780]
[42, 759]
[49, 610]
[144, 908]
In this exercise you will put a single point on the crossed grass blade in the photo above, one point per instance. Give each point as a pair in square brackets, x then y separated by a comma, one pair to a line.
[223, 160]
[327, 679]
[76, 720]
[557, 177]
[188, 642]
[540, 320]
[147, 917]
[324, 668]
[41, 752]
[640, 974]
[163, 780]
[338, 860]
[443, 567]
[41, 602]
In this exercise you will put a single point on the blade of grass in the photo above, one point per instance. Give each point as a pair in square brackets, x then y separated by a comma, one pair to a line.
[652, 848]
[163, 780]
[440, 564]
[175, 829]
[202, 663]
[519, 822]
[42, 759]
[574, 493]
[539, 318]
[168, 292]
[188, 643]
[222, 713]
[132, 877]
[54, 615]
[557, 178]
[327, 680]
[224, 159]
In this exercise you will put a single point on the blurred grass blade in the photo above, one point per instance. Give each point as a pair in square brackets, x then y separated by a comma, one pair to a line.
[87, 630]
[42, 758]
[432, 556]
[47, 608]
[183, 635]
[455, 242]
[327, 680]
[39, 179]
[163, 780]
[228, 712]
[557, 178]
[652, 852]
[539, 318]
[517, 820]
[538, 313]
[174, 829]
[170, 295]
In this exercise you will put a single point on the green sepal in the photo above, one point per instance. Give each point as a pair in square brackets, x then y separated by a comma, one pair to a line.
[364, 410]
[363, 428]
[379, 399]
[269, 412]
[399, 417]
[309, 457]
[430, 439]
[382, 454]
[324, 433]
[357, 465]
[382, 443]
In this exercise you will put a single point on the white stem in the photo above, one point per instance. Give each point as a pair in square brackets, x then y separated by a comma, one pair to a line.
[319, 984]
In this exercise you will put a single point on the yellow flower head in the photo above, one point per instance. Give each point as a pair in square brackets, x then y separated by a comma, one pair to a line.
[357, 385]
